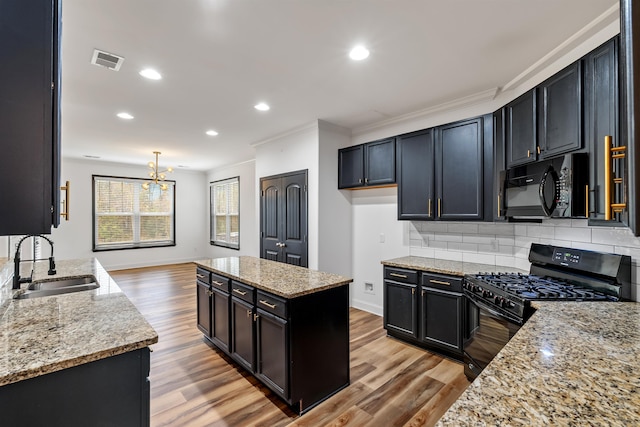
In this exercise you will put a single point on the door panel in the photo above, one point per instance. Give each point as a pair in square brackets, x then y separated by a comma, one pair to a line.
[284, 222]
[416, 176]
[272, 352]
[243, 333]
[521, 132]
[400, 308]
[220, 319]
[204, 308]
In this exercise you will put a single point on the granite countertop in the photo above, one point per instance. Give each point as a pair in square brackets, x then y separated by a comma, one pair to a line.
[572, 363]
[288, 281]
[48, 334]
[453, 268]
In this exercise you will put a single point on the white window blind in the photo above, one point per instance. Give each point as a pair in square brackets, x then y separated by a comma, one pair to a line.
[128, 216]
[225, 213]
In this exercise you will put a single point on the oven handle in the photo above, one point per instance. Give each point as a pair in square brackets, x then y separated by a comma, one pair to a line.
[493, 312]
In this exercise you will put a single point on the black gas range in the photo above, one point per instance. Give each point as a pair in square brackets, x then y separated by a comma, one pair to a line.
[499, 303]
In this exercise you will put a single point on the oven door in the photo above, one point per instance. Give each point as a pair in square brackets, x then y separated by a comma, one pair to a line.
[487, 332]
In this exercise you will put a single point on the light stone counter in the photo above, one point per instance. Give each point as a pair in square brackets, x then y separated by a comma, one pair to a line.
[443, 266]
[48, 334]
[571, 364]
[288, 281]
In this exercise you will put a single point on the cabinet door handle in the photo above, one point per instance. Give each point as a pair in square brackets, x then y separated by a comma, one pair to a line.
[538, 148]
[217, 283]
[200, 276]
[359, 180]
[255, 317]
[439, 208]
[238, 291]
[586, 200]
[528, 153]
[439, 282]
[209, 293]
[249, 314]
[402, 276]
[423, 292]
[498, 205]
[413, 291]
[366, 180]
[65, 202]
[429, 209]
[267, 304]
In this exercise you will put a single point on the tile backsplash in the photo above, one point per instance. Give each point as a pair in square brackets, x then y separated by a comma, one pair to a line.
[507, 244]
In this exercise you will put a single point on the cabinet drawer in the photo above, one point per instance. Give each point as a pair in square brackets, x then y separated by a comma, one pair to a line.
[441, 281]
[220, 282]
[203, 275]
[272, 304]
[400, 275]
[242, 291]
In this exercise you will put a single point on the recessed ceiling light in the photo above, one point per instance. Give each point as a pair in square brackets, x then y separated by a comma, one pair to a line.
[261, 106]
[211, 132]
[359, 53]
[125, 116]
[151, 74]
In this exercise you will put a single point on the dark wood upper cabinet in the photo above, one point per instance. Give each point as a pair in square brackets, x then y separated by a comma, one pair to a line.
[520, 130]
[368, 164]
[415, 154]
[30, 116]
[601, 116]
[459, 162]
[560, 124]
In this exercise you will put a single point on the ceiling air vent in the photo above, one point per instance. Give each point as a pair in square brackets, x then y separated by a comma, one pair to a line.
[107, 60]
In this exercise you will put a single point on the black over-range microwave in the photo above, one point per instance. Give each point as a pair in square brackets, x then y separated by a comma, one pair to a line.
[556, 188]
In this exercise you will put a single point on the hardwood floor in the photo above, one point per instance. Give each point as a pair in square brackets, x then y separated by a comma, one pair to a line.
[192, 384]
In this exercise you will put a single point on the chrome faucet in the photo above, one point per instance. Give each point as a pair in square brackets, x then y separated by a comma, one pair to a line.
[16, 262]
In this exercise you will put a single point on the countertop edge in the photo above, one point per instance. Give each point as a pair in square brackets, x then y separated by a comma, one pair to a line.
[261, 286]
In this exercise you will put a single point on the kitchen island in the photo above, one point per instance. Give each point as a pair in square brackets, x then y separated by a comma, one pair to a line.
[76, 358]
[572, 363]
[287, 325]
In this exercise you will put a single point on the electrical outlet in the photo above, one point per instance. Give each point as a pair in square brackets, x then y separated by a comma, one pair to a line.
[368, 288]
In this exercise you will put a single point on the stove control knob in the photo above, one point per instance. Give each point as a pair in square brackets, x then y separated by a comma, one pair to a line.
[498, 300]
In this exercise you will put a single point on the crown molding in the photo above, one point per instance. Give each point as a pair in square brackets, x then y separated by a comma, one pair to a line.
[476, 98]
[300, 129]
[567, 46]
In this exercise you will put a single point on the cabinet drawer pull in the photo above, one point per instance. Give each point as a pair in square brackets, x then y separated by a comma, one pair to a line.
[200, 276]
[440, 282]
[528, 153]
[217, 283]
[403, 276]
[267, 304]
[238, 291]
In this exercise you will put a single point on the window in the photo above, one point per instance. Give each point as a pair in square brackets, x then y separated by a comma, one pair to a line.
[126, 216]
[225, 213]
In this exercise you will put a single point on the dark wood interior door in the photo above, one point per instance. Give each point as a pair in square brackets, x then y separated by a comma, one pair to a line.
[283, 218]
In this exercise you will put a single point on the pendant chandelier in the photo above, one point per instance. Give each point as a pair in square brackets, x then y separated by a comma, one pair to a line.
[157, 177]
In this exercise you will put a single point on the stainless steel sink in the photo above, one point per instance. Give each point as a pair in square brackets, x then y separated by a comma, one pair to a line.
[58, 286]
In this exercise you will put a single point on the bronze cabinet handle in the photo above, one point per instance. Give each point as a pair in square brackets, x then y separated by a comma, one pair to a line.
[429, 211]
[238, 291]
[267, 304]
[65, 202]
[439, 282]
[402, 276]
[200, 276]
[217, 283]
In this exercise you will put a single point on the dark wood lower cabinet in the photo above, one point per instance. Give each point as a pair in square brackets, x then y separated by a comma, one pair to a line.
[425, 309]
[441, 315]
[298, 347]
[271, 343]
[204, 307]
[243, 333]
[401, 308]
[220, 319]
[108, 392]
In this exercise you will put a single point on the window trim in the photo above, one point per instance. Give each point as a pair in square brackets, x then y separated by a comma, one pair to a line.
[222, 244]
[138, 245]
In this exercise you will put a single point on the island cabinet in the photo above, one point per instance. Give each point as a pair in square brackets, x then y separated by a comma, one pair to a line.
[426, 309]
[296, 342]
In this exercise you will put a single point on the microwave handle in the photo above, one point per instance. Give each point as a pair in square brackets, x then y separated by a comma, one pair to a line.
[550, 173]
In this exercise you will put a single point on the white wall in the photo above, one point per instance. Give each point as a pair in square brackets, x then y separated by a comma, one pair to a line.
[249, 210]
[73, 239]
[293, 151]
[334, 215]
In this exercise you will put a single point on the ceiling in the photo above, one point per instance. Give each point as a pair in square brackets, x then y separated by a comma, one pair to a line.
[219, 58]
